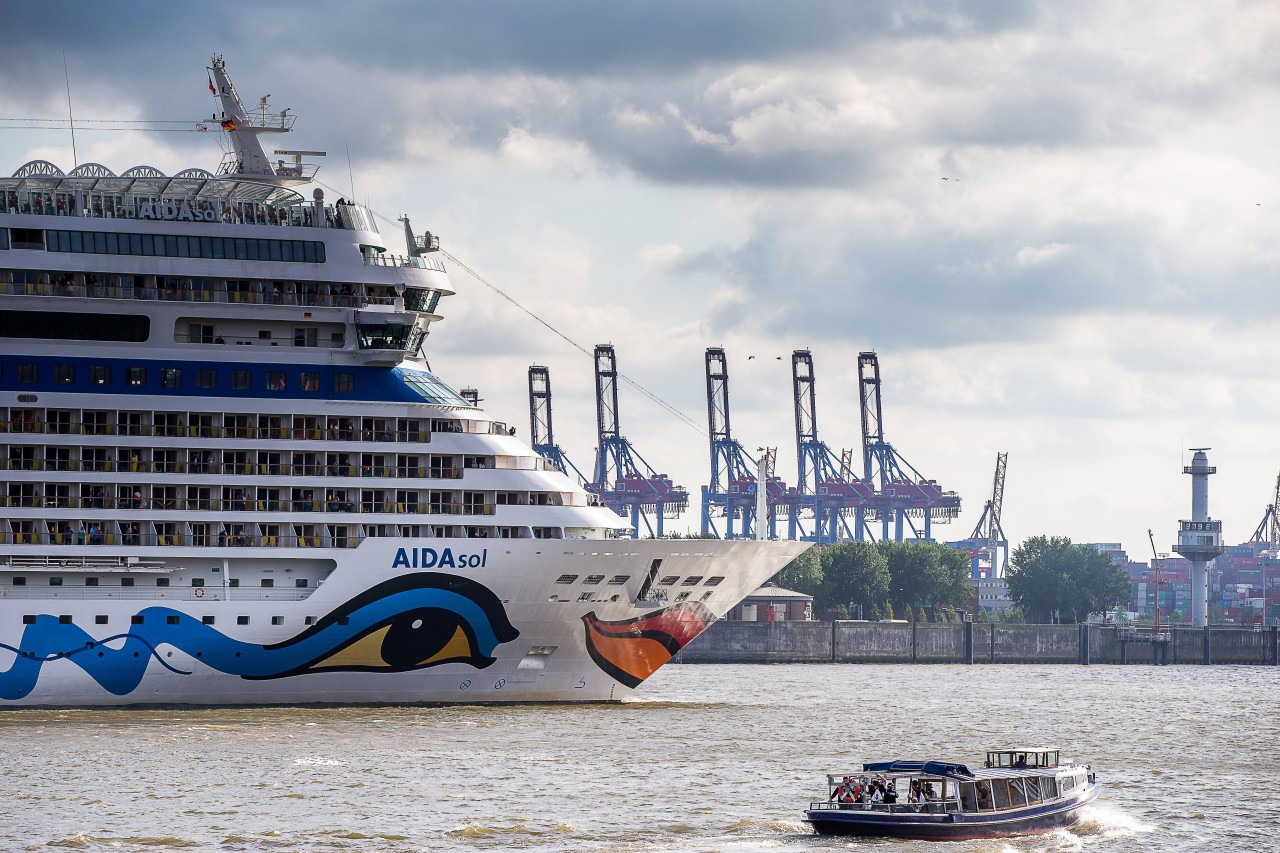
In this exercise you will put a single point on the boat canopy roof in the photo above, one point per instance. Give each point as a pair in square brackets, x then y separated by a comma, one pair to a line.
[932, 768]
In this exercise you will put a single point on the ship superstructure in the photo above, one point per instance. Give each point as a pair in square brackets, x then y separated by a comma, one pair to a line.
[229, 476]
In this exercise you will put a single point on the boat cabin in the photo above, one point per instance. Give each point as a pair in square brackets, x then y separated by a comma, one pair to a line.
[1024, 758]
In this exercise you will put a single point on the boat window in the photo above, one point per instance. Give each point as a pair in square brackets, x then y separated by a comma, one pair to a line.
[1000, 793]
[984, 796]
[1017, 793]
[566, 579]
[1048, 787]
[969, 796]
[619, 580]
[1033, 790]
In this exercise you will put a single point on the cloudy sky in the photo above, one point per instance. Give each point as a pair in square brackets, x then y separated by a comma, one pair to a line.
[1056, 223]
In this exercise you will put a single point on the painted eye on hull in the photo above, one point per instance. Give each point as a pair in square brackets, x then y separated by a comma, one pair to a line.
[415, 639]
[415, 621]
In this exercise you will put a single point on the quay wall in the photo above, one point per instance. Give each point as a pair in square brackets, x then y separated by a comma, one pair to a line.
[874, 642]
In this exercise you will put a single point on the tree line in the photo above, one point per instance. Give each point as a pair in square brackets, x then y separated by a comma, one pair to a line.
[1049, 579]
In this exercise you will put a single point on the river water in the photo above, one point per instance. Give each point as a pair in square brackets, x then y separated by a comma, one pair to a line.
[707, 758]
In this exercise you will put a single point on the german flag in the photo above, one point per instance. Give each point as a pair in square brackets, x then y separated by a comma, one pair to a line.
[229, 124]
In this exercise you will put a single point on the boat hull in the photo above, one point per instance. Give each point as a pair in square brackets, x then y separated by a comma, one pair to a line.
[858, 821]
[379, 630]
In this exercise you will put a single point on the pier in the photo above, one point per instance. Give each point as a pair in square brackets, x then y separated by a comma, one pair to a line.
[978, 643]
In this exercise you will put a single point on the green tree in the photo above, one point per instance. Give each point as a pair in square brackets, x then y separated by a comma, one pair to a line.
[853, 573]
[926, 574]
[802, 574]
[1049, 575]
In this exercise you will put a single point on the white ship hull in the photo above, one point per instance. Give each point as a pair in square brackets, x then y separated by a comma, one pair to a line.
[48, 662]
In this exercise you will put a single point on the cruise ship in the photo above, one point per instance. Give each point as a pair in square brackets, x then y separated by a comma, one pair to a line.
[230, 476]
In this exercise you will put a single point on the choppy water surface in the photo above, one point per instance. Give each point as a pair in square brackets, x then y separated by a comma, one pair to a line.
[710, 758]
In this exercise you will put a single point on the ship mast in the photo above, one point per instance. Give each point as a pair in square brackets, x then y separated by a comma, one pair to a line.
[247, 160]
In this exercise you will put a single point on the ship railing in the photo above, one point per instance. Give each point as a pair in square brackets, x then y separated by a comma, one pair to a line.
[420, 263]
[934, 807]
[196, 593]
[247, 504]
[281, 469]
[97, 536]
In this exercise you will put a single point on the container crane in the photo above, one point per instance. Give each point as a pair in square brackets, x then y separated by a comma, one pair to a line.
[623, 480]
[732, 489]
[820, 488]
[1268, 530]
[541, 436]
[903, 493]
[988, 534]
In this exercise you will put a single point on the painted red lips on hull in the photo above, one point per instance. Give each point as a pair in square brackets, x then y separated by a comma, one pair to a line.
[631, 650]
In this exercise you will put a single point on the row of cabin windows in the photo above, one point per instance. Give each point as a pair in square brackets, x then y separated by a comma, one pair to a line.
[307, 381]
[173, 619]
[179, 246]
[618, 580]
[55, 580]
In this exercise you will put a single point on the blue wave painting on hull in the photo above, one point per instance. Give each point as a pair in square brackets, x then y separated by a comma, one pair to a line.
[407, 623]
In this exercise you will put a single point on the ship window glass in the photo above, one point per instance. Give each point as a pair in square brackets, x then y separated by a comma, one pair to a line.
[170, 377]
[28, 619]
[242, 620]
[619, 580]
[100, 619]
[593, 579]
[126, 581]
[344, 383]
[1000, 793]
[162, 581]
[566, 579]
[310, 381]
[275, 380]
[268, 582]
[207, 620]
[1033, 789]
[300, 582]
[172, 619]
[242, 253]
[206, 378]
[274, 247]
[714, 580]
[240, 380]
[28, 373]
[64, 374]
[136, 619]
[197, 581]
[20, 581]
[277, 620]
[64, 619]
[66, 326]
[136, 376]
[309, 620]
[4, 238]
[432, 389]
[669, 580]
[692, 580]
[55, 581]
[234, 582]
[99, 374]
[90, 581]
[170, 246]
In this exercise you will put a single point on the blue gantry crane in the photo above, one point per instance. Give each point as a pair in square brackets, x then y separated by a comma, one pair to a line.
[902, 492]
[823, 490]
[541, 435]
[623, 480]
[732, 490]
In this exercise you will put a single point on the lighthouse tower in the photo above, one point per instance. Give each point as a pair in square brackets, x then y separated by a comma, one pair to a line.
[1200, 539]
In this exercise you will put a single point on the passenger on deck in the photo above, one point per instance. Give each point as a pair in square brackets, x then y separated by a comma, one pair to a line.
[1021, 763]
[890, 794]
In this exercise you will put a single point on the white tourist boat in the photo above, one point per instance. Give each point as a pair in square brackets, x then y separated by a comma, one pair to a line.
[229, 476]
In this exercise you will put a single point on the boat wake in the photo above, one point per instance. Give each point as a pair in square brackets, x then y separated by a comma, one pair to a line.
[1097, 823]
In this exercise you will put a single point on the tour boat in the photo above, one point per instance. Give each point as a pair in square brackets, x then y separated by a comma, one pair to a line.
[229, 476]
[1017, 792]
